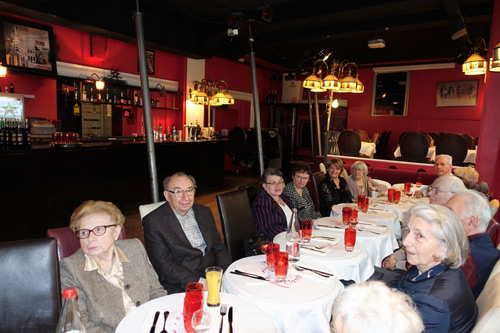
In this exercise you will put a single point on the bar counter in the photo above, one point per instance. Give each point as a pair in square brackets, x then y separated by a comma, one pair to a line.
[42, 186]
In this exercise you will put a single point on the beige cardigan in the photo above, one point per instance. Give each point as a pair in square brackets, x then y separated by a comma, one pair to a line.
[99, 302]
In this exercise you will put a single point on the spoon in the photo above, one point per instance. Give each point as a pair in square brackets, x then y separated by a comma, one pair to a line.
[165, 315]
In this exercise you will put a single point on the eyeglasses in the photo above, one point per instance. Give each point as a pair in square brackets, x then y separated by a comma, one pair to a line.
[180, 193]
[437, 190]
[276, 183]
[302, 178]
[98, 231]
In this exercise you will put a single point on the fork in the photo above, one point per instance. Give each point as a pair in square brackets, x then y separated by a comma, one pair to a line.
[223, 310]
[165, 315]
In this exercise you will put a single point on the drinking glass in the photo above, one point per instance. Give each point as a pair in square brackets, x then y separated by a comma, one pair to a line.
[418, 181]
[201, 320]
[366, 204]
[57, 137]
[193, 301]
[353, 218]
[71, 137]
[213, 275]
[397, 196]
[349, 239]
[280, 266]
[271, 250]
[361, 201]
[390, 195]
[306, 231]
[346, 212]
[264, 245]
[407, 188]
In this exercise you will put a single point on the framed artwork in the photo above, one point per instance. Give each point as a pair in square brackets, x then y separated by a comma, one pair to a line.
[27, 47]
[150, 61]
[456, 93]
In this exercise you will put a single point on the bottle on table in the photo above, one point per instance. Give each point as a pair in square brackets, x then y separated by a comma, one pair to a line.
[11, 87]
[70, 319]
[293, 238]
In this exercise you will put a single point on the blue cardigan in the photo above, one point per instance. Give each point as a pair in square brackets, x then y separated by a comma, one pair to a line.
[443, 298]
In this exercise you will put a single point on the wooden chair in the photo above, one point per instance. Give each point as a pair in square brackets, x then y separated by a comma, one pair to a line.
[469, 140]
[349, 143]
[414, 147]
[453, 145]
[363, 135]
[374, 138]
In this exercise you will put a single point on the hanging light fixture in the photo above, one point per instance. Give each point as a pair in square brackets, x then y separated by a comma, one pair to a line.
[3, 70]
[314, 82]
[495, 59]
[348, 84]
[475, 64]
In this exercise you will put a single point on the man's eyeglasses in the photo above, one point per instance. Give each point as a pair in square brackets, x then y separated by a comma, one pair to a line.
[436, 190]
[276, 183]
[180, 193]
[98, 231]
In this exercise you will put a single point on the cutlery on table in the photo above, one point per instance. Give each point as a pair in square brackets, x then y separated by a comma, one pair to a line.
[373, 224]
[230, 319]
[165, 316]
[223, 310]
[250, 275]
[157, 315]
[373, 232]
[311, 248]
[300, 269]
[324, 237]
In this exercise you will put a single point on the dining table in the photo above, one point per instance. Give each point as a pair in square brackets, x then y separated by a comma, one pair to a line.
[303, 302]
[431, 154]
[377, 239]
[247, 317]
[356, 265]
[414, 187]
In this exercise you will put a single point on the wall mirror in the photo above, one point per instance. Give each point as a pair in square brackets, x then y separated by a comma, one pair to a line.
[390, 93]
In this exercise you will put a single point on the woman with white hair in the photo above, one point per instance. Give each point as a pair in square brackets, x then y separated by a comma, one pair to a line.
[359, 183]
[373, 307]
[436, 246]
[468, 175]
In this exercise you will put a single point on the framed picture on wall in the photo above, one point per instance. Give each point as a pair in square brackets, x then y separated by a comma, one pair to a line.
[456, 93]
[27, 47]
[150, 61]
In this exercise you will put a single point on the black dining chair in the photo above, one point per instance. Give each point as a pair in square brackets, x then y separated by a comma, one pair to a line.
[453, 145]
[349, 143]
[414, 147]
[469, 140]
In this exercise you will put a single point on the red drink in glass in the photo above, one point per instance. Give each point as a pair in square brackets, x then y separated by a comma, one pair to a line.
[281, 266]
[353, 218]
[193, 300]
[346, 212]
[418, 181]
[271, 250]
[306, 231]
[366, 204]
[390, 195]
[263, 246]
[361, 200]
[397, 196]
[349, 239]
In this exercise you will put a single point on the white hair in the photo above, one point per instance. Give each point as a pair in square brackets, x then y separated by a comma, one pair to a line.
[475, 204]
[448, 157]
[373, 307]
[450, 183]
[469, 174]
[361, 166]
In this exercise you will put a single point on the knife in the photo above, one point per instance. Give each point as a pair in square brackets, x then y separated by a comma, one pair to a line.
[324, 237]
[373, 224]
[230, 319]
[250, 275]
[312, 249]
[157, 315]
[315, 270]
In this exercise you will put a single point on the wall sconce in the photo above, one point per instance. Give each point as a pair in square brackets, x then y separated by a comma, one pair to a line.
[99, 83]
[475, 64]
[3, 70]
[163, 91]
[495, 59]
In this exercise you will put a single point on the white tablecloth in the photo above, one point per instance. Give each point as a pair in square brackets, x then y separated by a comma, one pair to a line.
[244, 316]
[430, 152]
[302, 303]
[401, 186]
[404, 205]
[378, 239]
[368, 149]
[383, 215]
[356, 265]
[470, 158]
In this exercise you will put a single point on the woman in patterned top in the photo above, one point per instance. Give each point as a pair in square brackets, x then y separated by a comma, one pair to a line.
[297, 191]
[333, 190]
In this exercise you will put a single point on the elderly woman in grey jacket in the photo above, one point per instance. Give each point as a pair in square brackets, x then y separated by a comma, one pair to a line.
[112, 277]
[359, 183]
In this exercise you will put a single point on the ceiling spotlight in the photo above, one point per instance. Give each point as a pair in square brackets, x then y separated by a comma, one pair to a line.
[378, 43]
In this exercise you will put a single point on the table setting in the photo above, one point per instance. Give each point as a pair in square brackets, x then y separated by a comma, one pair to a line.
[300, 301]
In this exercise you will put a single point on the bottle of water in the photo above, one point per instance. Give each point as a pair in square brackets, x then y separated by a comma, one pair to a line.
[70, 320]
[293, 238]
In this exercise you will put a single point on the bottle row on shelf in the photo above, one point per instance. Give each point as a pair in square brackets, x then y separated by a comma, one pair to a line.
[14, 134]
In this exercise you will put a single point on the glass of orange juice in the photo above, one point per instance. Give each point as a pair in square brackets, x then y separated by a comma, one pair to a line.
[213, 275]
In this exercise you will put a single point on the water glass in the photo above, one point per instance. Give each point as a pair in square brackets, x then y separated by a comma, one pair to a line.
[346, 212]
[390, 195]
[306, 231]
[366, 204]
[349, 239]
[271, 250]
[201, 320]
[213, 275]
[397, 196]
[361, 201]
[264, 246]
[353, 218]
[193, 301]
[280, 266]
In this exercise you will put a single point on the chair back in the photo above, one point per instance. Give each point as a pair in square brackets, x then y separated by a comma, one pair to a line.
[236, 219]
[148, 208]
[312, 187]
[30, 297]
[488, 304]
[349, 143]
[414, 147]
[453, 145]
[435, 137]
[363, 135]
[469, 140]
[67, 242]
[492, 230]
[253, 191]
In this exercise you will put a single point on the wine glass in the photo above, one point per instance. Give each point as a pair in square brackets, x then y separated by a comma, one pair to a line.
[201, 320]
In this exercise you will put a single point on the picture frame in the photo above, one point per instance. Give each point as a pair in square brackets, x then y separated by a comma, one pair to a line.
[456, 93]
[27, 47]
[150, 61]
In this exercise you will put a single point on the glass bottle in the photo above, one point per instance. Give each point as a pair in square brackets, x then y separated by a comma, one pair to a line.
[70, 320]
[293, 237]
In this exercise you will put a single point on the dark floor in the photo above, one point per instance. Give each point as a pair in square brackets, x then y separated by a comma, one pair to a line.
[232, 181]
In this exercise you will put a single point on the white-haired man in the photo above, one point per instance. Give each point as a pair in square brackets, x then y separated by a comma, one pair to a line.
[473, 210]
[443, 165]
[443, 188]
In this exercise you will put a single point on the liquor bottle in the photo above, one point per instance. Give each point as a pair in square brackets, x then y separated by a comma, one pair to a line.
[114, 96]
[5, 135]
[6, 89]
[160, 132]
[152, 101]
[84, 94]
[2, 128]
[70, 319]
[99, 96]
[75, 89]
[91, 94]
[136, 99]
[174, 133]
[293, 238]
[26, 135]
[122, 100]
[107, 96]
[11, 87]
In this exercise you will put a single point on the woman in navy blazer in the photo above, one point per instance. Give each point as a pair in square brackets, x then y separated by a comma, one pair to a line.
[271, 209]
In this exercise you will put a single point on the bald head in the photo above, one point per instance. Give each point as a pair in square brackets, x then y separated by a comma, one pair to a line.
[472, 209]
[443, 188]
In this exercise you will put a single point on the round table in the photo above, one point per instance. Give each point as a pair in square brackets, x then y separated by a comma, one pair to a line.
[356, 265]
[302, 303]
[377, 239]
[383, 215]
[244, 316]
[402, 207]
[401, 186]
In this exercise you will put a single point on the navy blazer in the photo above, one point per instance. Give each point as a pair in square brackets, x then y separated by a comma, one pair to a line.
[174, 259]
[269, 218]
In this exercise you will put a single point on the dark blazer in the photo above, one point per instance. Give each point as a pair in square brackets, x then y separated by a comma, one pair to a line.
[174, 259]
[268, 217]
[99, 302]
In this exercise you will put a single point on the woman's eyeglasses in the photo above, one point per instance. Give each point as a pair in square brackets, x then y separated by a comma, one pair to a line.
[98, 231]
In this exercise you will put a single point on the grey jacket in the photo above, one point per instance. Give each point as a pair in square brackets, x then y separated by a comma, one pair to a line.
[100, 303]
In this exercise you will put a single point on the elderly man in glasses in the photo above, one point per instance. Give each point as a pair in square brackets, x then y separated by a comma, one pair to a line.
[443, 188]
[181, 238]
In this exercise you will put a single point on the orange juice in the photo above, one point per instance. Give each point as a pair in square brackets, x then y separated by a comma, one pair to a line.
[214, 278]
